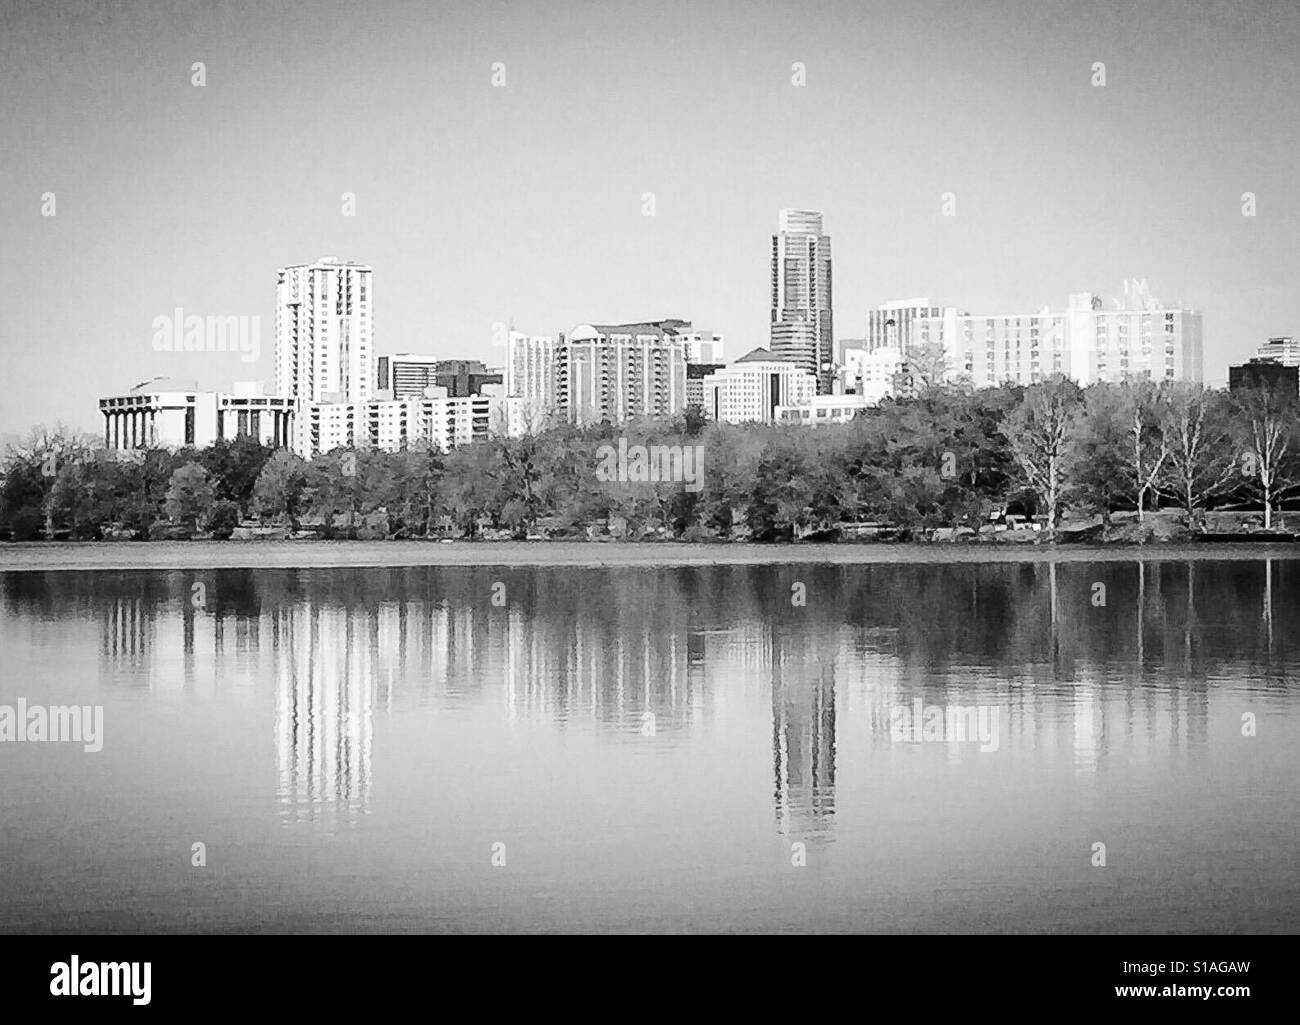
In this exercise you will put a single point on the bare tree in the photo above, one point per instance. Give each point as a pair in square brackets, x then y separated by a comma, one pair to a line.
[1267, 421]
[1041, 433]
[929, 367]
[1199, 464]
[1146, 448]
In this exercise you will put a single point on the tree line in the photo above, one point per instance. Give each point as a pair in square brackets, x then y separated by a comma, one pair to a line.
[947, 457]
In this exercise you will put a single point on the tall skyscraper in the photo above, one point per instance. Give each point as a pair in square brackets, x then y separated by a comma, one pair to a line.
[802, 325]
[324, 331]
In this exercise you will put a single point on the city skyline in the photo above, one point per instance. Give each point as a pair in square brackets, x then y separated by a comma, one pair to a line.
[168, 193]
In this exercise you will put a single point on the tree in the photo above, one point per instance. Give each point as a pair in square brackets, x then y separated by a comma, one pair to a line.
[471, 492]
[418, 476]
[1040, 431]
[1146, 448]
[89, 493]
[928, 368]
[1195, 424]
[222, 519]
[520, 472]
[278, 491]
[234, 466]
[1267, 426]
[32, 466]
[1102, 440]
[189, 495]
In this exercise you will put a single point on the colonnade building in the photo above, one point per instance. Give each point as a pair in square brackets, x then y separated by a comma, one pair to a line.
[168, 416]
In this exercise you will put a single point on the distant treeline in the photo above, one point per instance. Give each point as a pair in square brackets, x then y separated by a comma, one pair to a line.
[950, 457]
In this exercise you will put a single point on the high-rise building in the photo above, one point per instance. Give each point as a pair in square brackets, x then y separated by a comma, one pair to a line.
[1020, 348]
[613, 372]
[754, 387]
[893, 323]
[530, 369]
[802, 324]
[1136, 337]
[324, 331]
[323, 337]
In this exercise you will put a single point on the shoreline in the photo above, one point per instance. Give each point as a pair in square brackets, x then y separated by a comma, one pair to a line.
[86, 556]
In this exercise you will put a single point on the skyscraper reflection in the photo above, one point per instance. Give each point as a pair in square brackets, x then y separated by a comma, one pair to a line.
[803, 736]
[324, 668]
[699, 650]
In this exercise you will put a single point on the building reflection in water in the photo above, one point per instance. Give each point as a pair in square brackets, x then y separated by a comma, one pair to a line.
[803, 737]
[324, 710]
[700, 648]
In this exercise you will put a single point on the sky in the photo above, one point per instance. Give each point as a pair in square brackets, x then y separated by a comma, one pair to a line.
[478, 204]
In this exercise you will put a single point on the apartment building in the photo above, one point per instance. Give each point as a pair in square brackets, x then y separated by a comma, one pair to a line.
[613, 372]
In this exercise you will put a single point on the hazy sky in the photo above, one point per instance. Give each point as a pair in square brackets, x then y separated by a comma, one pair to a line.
[478, 204]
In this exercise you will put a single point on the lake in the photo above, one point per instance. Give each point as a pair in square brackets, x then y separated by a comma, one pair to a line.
[893, 747]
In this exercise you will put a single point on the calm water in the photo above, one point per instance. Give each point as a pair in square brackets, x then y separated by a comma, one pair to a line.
[351, 743]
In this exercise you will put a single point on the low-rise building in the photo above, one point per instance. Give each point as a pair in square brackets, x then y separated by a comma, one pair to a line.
[825, 409]
[166, 414]
[391, 425]
[754, 387]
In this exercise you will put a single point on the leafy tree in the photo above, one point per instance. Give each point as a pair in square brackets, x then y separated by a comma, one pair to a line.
[233, 467]
[521, 470]
[279, 489]
[32, 466]
[1101, 436]
[189, 495]
[418, 476]
[472, 491]
[88, 493]
[222, 519]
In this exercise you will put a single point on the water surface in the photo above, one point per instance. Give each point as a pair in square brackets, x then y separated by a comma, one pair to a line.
[654, 747]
